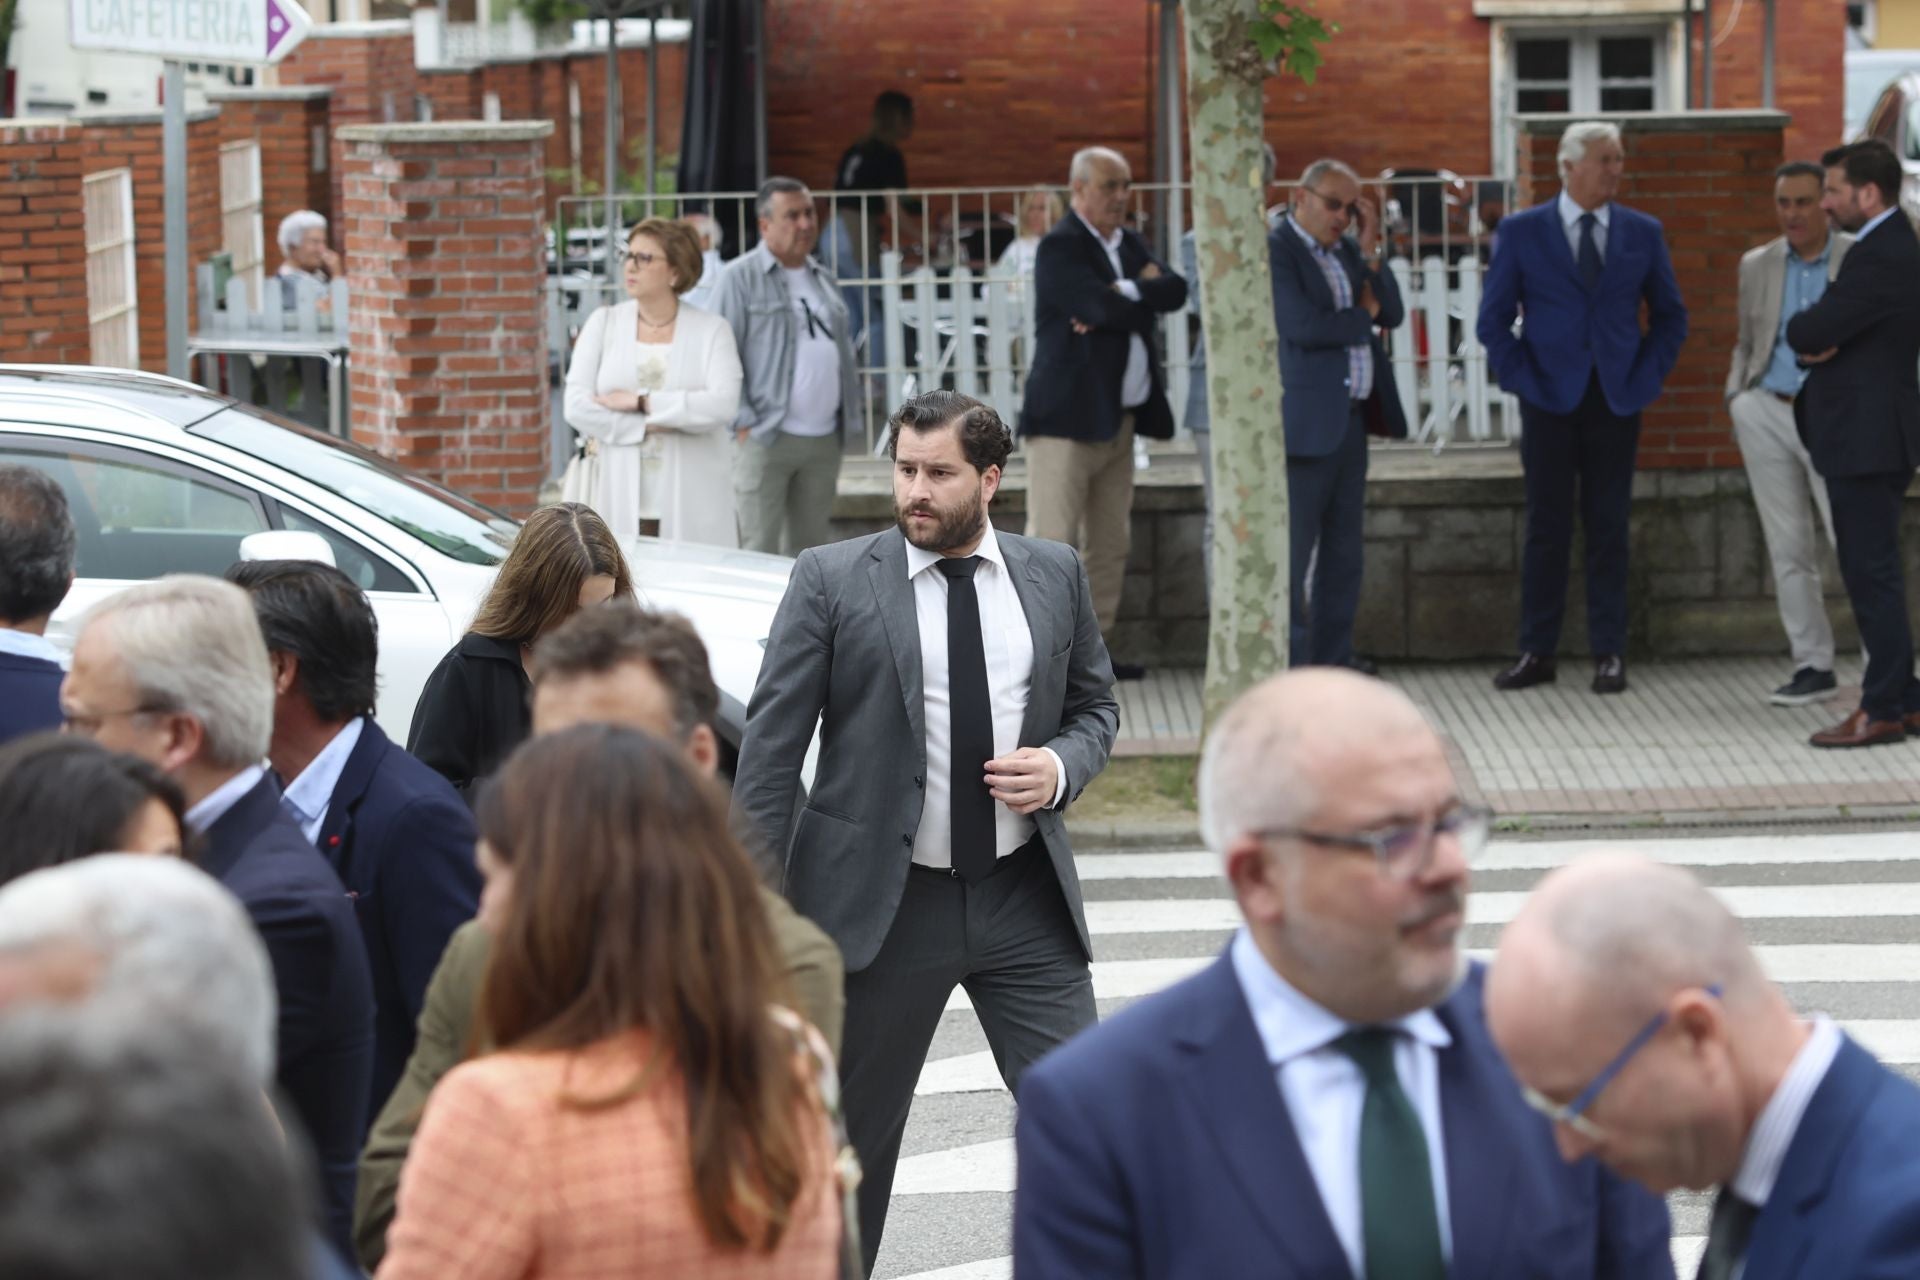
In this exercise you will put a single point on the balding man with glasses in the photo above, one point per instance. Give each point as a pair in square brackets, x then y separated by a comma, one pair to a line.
[1324, 1100]
[1629, 1002]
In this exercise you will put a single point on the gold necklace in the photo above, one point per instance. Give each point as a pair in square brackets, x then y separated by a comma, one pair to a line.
[664, 324]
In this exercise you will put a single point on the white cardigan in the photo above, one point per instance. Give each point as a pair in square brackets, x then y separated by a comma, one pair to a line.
[691, 417]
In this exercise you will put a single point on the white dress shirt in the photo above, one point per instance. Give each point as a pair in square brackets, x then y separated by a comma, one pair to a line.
[1873, 222]
[1137, 383]
[308, 796]
[1324, 1090]
[1009, 651]
[1780, 1119]
[24, 644]
[1570, 214]
[214, 805]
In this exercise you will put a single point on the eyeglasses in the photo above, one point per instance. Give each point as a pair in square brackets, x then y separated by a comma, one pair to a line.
[1403, 852]
[638, 259]
[1573, 1114]
[88, 725]
[1351, 208]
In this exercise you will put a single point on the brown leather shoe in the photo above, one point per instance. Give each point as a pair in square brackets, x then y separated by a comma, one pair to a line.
[1858, 730]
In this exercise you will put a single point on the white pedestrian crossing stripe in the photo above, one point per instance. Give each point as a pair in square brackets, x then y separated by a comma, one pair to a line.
[1125, 929]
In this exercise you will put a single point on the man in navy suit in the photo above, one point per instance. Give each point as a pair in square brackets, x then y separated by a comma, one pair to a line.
[1626, 997]
[1099, 294]
[398, 835]
[1576, 270]
[1324, 1100]
[37, 544]
[1331, 297]
[175, 671]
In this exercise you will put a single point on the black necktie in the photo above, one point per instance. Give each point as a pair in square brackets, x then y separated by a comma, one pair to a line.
[1589, 250]
[1727, 1236]
[1399, 1224]
[974, 852]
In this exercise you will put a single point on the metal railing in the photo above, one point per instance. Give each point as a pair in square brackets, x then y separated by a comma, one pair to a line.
[938, 283]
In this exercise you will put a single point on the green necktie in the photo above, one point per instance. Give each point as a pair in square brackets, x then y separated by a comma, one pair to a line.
[1398, 1222]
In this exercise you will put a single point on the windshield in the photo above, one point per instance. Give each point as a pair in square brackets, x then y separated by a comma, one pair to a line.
[458, 528]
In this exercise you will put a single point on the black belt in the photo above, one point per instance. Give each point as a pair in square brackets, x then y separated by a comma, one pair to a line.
[1034, 845]
[1781, 396]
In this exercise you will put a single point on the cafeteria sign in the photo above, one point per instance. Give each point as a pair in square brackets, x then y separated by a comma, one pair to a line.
[245, 31]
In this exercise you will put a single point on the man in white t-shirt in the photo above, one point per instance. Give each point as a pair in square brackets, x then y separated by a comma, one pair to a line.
[801, 384]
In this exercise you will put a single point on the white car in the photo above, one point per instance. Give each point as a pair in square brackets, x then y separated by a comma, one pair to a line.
[167, 477]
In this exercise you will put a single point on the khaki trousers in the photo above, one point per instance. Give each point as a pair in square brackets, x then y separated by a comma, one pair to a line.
[1082, 493]
[784, 492]
[1791, 498]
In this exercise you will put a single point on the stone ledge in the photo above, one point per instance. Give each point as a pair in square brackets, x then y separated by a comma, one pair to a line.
[1716, 121]
[463, 131]
[271, 93]
[195, 115]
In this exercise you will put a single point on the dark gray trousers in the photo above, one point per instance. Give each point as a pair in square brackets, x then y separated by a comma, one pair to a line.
[1011, 943]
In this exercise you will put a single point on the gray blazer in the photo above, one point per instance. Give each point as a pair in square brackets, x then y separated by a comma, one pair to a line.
[845, 651]
[753, 298]
[1763, 282]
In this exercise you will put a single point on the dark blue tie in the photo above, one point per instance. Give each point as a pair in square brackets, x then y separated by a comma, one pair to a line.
[1589, 251]
[974, 854]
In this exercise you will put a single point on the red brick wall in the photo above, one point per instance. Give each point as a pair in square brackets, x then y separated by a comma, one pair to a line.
[1711, 187]
[454, 93]
[136, 146]
[446, 269]
[43, 260]
[372, 75]
[1809, 68]
[284, 127]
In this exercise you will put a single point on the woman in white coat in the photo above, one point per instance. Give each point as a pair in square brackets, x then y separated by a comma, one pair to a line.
[652, 391]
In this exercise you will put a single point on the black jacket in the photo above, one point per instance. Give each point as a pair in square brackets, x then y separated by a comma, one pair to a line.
[475, 709]
[325, 1039]
[1859, 412]
[1074, 388]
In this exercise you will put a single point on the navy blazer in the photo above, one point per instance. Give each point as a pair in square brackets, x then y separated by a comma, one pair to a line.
[1571, 332]
[1847, 1202]
[1074, 384]
[29, 695]
[320, 975]
[1157, 1146]
[401, 840]
[1315, 398]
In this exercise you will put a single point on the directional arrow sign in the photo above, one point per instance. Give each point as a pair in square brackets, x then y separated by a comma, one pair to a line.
[245, 31]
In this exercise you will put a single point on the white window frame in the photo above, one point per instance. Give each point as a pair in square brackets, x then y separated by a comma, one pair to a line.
[242, 232]
[113, 291]
[1584, 67]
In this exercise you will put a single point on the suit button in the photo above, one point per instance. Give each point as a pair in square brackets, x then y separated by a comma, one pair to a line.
[918, 781]
[907, 840]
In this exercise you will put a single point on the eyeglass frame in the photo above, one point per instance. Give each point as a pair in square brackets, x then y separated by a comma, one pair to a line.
[635, 258]
[1375, 842]
[71, 723]
[1350, 208]
[1573, 1114]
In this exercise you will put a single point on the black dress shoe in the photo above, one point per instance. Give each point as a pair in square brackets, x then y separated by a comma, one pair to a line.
[1129, 671]
[1528, 669]
[1610, 674]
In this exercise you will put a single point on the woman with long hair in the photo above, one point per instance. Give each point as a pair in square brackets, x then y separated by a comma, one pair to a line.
[652, 391]
[474, 709]
[648, 1108]
[64, 796]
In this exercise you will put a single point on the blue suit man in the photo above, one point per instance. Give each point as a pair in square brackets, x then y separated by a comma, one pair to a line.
[1331, 298]
[1324, 1101]
[1714, 1077]
[37, 555]
[1577, 269]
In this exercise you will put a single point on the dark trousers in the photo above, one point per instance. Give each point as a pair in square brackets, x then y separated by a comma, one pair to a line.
[1576, 461]
[1866, 529]
[1326, 505]
[1009, 940]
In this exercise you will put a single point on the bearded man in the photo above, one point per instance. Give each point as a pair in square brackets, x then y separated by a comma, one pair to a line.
[964, 698]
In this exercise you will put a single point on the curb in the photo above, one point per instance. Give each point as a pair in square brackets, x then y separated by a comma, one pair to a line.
[1164, 833]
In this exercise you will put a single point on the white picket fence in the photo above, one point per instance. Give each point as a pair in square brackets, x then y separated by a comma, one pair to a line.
[289, 359]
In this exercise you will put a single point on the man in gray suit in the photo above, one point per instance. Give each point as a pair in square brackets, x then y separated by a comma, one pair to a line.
[1778, 281]
[965, 698]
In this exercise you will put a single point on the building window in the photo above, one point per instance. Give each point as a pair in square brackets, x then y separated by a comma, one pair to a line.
[113, 302]
[241, 233]
[1580, 69]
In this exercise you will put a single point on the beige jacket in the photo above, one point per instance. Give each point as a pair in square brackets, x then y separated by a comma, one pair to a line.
[1763, 280]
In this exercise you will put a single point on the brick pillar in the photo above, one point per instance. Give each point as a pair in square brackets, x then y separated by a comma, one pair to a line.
[43, 252]
[446, 265]
[1708, 177]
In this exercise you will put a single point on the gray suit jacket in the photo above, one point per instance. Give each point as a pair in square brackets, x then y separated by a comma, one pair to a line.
[1763, 281]
[845, 651]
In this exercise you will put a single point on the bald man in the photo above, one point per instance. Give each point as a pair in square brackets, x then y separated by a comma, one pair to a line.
[1628, 1001]
[1324, 1100]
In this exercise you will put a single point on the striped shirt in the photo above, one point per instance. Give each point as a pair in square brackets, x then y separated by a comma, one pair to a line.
[1360, 354]
[1778, 1121]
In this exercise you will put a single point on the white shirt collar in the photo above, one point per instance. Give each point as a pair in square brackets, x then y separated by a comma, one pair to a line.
[1291, 1025]
[214, 805]
[1570, 213]
[311, 792]
[24, 644]
[919, 560]
[1111, 242]
[1780, 1119]
[1871, 223]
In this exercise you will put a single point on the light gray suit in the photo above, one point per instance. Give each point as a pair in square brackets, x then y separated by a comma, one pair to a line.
[845, 652]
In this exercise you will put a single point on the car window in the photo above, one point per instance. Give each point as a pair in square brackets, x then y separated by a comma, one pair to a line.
[140, 517]
[369, 570]
[455, 526]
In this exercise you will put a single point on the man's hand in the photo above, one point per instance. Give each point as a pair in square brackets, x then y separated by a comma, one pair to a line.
[1366, 301]
[330, 263]
[740, 436]
[1080, 326]
[1023, 781]
[1369, 236]
[1150, 272]
[1820, 357]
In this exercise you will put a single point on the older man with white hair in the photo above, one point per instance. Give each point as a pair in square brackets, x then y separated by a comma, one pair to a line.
[1583, 366]
[1324, 1100]
[176, 672]
[308, 261]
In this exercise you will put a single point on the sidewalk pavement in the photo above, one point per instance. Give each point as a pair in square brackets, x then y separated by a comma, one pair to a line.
[1690, 741]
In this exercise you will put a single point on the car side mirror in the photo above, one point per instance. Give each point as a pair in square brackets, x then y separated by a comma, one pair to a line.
[287, 544]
